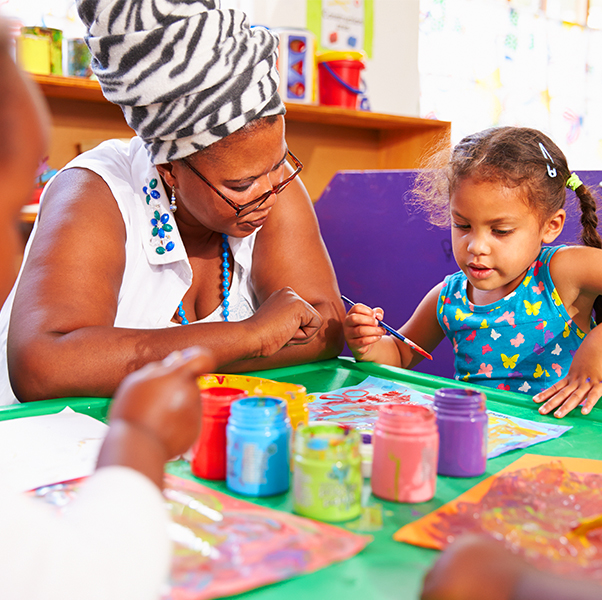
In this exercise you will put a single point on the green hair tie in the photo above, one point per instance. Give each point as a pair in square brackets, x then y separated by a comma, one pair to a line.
[573, 182]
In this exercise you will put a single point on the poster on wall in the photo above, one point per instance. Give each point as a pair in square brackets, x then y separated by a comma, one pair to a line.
[342, 24]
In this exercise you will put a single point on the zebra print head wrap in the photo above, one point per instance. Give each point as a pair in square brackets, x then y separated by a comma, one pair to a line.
[185, 73]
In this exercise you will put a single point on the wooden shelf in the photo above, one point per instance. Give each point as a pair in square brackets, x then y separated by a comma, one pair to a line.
[326, 139]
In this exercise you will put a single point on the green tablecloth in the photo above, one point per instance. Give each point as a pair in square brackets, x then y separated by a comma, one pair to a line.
[385, 568]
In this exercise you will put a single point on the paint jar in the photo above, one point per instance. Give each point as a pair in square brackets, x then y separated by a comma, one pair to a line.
[327, 478]
[406, 445]
[258, 438]
[209, 450]
[462, 423]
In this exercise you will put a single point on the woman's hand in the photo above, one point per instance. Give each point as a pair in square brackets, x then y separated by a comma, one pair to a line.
[156, 413]
[362, 330]
[583, 384]
[285, 319]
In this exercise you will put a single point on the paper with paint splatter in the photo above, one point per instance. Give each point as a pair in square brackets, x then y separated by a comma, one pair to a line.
[357, 406]
[225, 546]
[531, 506]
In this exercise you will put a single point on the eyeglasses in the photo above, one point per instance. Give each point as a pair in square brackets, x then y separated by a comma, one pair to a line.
[249, 207]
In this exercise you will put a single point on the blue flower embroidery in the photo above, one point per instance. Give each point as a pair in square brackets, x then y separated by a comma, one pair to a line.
[160, 228]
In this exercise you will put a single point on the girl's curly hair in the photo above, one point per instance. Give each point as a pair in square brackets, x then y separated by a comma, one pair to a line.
[515, 157]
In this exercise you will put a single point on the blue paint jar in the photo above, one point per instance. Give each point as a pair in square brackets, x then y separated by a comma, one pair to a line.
[258, 446]
[462, 423]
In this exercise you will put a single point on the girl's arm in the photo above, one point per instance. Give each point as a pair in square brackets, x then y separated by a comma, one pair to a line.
[577, 275]
[62, 341]
[368, 341]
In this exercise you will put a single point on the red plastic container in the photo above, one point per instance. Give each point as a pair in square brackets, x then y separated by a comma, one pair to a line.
[339, 78]
[209, 450]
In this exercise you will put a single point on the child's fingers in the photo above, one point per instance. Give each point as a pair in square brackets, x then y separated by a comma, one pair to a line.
[361, 309]
[555, 395]
[362, 333]
[194, 362]
[592, 399]
[365, 342]
[549, 392]
[567, 399]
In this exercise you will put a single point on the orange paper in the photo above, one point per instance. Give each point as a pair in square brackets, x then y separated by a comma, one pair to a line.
[422, 531]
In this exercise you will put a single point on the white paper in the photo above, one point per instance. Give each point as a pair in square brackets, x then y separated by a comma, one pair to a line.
[48, 449]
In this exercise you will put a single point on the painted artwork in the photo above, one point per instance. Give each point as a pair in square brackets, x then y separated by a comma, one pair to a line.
[224, 546]
[357, 406]
[517, 76]
[532, 507]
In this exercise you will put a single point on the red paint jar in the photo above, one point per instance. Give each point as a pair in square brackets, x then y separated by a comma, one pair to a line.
[209, 450]
[406, 446]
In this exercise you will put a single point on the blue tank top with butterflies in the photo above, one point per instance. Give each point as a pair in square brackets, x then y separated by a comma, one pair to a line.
[524, 342]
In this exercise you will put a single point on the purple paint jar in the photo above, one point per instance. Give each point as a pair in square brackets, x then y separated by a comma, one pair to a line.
[462, 423]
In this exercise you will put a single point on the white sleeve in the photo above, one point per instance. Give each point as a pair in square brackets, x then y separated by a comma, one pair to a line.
[112, 542]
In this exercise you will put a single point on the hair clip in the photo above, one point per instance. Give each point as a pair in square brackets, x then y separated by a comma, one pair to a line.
[573, 182]
[551, 170]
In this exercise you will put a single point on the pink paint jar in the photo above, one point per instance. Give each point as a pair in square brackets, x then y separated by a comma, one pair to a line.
[406, 447]
[209, 450]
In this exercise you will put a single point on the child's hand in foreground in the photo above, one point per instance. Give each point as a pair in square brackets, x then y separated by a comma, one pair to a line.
[582, 384]
[156, 413]
[478, 568]
[474, 568]
[361, 329]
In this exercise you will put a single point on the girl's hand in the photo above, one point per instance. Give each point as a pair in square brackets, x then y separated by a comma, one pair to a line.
[361, 329]
[582, 384]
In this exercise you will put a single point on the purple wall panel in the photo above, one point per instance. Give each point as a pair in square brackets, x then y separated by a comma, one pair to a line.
[385, 253]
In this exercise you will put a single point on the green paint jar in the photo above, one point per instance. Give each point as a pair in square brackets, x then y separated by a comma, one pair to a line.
[327, 478]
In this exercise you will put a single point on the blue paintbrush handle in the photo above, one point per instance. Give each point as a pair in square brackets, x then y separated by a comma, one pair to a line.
[395, 333]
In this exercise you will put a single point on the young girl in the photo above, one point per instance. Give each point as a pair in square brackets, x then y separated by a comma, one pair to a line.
[519, 313]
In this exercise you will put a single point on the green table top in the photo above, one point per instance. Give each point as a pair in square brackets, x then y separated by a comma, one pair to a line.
[385, 568]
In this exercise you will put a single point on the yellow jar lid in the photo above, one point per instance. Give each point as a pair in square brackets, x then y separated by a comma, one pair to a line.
[331, 55]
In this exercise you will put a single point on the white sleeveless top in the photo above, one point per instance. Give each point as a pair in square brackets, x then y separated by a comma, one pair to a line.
[153, 283]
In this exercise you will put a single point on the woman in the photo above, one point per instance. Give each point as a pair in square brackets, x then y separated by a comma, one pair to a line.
[113, 277]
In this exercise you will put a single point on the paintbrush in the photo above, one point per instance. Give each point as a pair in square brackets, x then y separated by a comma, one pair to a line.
[396, 333]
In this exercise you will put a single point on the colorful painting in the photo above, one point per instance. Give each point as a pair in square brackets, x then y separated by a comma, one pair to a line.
[531, 506]
[516, 77]
[357, 406]
[224, 546]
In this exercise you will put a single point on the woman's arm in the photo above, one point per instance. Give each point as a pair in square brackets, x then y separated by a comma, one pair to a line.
[62, 341]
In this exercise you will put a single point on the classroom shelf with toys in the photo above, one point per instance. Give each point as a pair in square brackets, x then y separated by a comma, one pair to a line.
[327, 139]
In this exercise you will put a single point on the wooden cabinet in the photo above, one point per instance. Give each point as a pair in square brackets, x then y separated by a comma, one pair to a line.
[326, 139]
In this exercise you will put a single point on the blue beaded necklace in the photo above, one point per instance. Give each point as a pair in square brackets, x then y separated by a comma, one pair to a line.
[225, 284]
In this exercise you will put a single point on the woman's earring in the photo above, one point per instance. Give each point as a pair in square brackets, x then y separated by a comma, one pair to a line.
[172, 203]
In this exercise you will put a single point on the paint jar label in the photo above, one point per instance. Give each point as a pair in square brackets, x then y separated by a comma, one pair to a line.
[255, 463]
